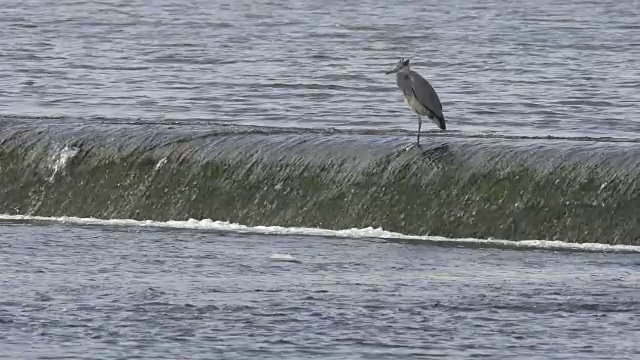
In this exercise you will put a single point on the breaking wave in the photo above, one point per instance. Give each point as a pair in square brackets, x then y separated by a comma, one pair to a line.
[570, 190]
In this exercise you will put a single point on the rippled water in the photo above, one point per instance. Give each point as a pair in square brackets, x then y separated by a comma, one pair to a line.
[513, 67]
[538, 68]
[106, 292]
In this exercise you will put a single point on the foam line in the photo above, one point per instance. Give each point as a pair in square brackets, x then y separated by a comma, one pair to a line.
[354, 233]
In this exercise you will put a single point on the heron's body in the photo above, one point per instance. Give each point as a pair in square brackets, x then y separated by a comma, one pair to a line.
[419, 95]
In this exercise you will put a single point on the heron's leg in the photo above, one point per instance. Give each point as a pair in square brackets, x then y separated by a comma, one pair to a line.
[419, 127]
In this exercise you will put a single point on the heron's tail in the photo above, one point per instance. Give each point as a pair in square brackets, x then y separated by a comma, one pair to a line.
[441, 123]
[439, 120]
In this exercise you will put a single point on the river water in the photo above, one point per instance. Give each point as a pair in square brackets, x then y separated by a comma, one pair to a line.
[77, 289]
[318, 233]
[499, 67]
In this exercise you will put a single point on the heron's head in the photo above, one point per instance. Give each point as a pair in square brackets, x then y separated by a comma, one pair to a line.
[403, 66]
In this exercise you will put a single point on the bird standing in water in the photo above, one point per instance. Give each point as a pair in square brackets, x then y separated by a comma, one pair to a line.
[419, 95]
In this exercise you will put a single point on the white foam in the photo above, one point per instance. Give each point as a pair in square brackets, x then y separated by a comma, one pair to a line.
[284, 258]
[160, 164]
[356, 233]
[61, 158]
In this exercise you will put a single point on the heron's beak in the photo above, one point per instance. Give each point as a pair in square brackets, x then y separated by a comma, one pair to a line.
[392, 71]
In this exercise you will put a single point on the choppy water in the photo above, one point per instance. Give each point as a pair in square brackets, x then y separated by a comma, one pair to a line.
[321, 244]
[108, 292]
[538, 67]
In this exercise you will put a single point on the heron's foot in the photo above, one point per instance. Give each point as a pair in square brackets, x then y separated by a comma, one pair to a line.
[412, 146]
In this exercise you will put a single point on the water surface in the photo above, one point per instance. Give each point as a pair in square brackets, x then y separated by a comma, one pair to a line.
[107, 292]
[499, 67]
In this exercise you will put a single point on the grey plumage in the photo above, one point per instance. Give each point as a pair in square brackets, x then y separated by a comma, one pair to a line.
[419, 95]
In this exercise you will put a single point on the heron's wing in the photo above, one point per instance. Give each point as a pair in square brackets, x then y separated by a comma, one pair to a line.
[425, 94]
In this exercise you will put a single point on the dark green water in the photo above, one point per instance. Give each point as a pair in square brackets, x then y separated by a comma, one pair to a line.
[575, 190]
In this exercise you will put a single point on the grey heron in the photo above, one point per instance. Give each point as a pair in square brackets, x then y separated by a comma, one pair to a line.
[419, 95]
